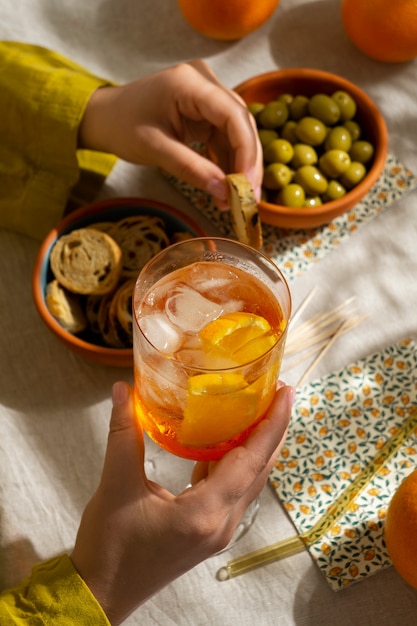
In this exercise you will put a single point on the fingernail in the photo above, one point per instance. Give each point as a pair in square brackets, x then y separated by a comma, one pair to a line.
[217, 189]
[290, 391]
[256, 190]
[222, 206]
[120, 393]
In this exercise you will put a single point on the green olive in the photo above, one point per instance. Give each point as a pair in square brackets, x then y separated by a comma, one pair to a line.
[276, 176]
[311, 179]
[273, 115]
[361, 151]
[334, 162]
[303, 155]
[346, 104]
[286, 97]
[338, 138]
[291, 195]
[310, 130]
[324, 108]
[278, 151]
[354, 129]
[288, 131]
[266, 135]
[298, 107]
[334, 191]
[312, 201]
[353, 175]
[255, 108]
[313, 143]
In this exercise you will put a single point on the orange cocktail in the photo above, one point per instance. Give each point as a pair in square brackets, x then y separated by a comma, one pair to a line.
[210, 323]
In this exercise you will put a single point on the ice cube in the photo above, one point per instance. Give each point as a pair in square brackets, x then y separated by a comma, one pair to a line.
[191, 311]
[204, 361]
[231, 306]
[206, 277]
[158, 330]
[166, 384]
[219, 286]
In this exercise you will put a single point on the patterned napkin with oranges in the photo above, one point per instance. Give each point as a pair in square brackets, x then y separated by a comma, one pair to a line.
[353, 440]
[294, 251]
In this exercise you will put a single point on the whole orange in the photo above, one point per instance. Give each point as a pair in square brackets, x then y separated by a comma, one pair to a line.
[400, 529]
[227, 19]
[385, 30]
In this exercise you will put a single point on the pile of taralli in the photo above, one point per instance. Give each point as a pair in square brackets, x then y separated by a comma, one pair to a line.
[94, 270]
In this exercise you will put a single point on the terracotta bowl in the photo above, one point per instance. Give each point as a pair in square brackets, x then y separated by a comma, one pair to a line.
[87, 344]
[266, 87]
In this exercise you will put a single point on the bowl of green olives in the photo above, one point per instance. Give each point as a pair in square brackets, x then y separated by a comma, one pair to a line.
[324, 144]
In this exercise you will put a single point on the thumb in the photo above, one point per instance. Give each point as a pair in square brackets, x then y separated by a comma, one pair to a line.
[122, 417]
[125, 446]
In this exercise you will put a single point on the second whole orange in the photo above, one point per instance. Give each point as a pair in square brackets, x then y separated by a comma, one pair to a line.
[384, 30]
[227, 19]
[400, 529]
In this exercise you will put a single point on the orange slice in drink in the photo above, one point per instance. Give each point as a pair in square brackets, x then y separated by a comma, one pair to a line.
[243, 336]
[219, 406]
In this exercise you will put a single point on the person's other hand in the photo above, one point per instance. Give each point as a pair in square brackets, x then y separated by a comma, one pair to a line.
[135, 536]
[153, 120]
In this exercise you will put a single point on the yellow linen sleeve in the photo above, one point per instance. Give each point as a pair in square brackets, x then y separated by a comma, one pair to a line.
[43, 98]
[54, 594]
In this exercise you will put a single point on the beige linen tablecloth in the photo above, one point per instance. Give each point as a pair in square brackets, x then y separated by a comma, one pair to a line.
[55, 407]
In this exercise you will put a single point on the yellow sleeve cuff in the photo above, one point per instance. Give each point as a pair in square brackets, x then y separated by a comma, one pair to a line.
[44, 96]
[54, 594]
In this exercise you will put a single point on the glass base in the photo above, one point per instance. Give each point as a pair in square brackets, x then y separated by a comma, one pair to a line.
[173, 473]
[244, 525]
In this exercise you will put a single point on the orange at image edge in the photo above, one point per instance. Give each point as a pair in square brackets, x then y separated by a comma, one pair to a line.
[383, 30]
[226, 20]
[400, 529]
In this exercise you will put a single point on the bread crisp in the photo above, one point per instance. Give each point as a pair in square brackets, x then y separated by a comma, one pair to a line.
[87, 261]
[244, 210]
[105, 227]
[65, 307]
[121, 307]
[140, 238]
[111, 330]
[92, 307]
